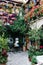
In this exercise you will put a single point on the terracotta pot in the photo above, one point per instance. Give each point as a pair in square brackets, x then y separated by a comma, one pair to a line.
[33, 64]
[29, 59]
[2, 64]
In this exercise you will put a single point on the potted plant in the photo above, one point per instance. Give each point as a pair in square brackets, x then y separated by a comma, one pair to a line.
[34, 60]
[3, 50]
[31, 52]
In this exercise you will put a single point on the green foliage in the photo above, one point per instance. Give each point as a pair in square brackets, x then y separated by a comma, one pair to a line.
[34, 60]
[1, 22]
[34, 35]
[3, 59]
[37, 53]
[19, 25]
[3, 43]
[32, 54]
[33, 57]
[32, 51]
[41, 32]
[36, 10]
[3, 29]
[3, 49]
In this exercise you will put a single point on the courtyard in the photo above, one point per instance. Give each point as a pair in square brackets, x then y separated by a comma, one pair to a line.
[18, 58]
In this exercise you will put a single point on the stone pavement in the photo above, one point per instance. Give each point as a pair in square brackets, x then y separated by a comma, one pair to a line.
[18, 58]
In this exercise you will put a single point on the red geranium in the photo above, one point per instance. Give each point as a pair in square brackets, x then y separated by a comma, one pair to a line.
[41, 47]
[4, 52]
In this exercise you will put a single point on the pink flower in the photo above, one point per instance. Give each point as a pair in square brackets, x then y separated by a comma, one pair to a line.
[41, 46]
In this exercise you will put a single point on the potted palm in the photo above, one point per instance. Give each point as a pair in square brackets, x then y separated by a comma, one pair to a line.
[3, 50]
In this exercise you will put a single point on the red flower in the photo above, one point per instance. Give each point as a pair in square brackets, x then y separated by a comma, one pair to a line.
[41, 46]
[11, 22]
[4, 52]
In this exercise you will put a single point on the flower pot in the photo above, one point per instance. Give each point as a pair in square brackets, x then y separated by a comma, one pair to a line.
[33, 64]
[29, 58]
[3, 64]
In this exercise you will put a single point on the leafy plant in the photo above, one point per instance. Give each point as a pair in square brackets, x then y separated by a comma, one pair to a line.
[32, 51]
[3, 49]
[34, 60]
[41, 32]
[3, 29]
[34, 35]
[19, 25]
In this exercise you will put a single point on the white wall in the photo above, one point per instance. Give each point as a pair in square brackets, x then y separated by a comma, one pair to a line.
[23, 1]
[37, 24]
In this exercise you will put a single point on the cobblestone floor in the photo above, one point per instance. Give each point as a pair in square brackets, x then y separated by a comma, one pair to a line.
[20, 58]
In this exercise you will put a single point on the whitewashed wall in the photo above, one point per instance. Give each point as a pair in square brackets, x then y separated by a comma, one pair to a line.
[23, 1]
[37, 24]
